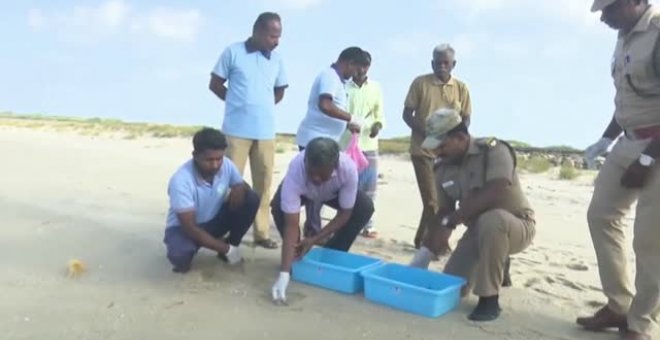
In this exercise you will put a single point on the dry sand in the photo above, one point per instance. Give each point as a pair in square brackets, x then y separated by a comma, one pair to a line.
[103, 200]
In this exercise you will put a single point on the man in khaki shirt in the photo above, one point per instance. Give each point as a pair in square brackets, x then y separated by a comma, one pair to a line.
[479, 175]
[630, 174]
[427, 94]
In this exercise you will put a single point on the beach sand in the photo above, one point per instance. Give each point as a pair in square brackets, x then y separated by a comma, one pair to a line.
[103, 201]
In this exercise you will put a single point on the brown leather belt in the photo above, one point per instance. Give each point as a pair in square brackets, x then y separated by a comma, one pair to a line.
[644, 133]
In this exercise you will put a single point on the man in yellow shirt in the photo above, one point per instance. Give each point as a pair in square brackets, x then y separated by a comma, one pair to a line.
[365, 102]
[429, 93]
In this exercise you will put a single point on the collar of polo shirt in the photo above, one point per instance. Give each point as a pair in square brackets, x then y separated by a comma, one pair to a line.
[251, 48]
[438, 81]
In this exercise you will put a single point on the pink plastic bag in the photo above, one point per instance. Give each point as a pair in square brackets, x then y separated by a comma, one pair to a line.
[353, 151]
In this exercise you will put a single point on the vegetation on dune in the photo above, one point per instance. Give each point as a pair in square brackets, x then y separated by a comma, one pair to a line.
[133, 130]
[534, 164]
[568, 173]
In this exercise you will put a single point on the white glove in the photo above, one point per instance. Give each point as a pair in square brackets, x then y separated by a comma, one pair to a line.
[279, 288]
[356, 122]
[233, 255]
[596, 150]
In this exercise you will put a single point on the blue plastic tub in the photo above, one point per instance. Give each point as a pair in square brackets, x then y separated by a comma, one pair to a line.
[413, 290]
[332, 269]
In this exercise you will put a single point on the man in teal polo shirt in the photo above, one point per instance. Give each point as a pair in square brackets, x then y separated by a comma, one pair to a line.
[210, 204]
[256, 77]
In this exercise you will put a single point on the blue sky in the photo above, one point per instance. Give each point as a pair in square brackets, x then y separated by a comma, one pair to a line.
[538, 71]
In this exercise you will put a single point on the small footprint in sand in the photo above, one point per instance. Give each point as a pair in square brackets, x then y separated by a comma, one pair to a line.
[556, 296]
[594, 304]
[532, 282]
[571, 284]
[580, 267]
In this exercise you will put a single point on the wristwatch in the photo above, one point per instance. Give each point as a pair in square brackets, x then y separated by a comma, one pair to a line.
[646, 160]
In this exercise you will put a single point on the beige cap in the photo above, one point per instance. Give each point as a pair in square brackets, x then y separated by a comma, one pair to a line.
[438, 124]
[599, 5]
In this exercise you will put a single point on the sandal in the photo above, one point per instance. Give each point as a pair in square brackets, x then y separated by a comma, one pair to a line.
[266, 243]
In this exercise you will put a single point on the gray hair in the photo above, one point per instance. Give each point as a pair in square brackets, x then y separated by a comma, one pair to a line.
[322, 152]
[443, 48]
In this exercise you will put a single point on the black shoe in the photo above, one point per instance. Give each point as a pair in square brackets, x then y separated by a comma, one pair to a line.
[488, 309]
[181, 269]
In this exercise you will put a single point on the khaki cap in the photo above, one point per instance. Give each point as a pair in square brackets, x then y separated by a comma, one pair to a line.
[437, 125]
[600, 5]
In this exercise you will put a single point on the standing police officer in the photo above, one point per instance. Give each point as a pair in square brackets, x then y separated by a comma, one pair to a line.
[630, 174]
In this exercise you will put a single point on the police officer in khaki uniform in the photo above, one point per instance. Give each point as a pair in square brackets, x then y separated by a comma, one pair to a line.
[427, 94]
[479, 175]
[630, 174]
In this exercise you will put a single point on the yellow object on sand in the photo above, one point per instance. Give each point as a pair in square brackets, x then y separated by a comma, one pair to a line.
[76, 267]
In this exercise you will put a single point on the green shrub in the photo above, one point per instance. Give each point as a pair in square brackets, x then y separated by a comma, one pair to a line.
[568, 173]
[535, 165]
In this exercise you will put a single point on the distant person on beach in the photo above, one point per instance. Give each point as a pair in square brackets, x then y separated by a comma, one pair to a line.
[257, 80]
[365, 101]
[320, 174]
[428, 93]
[210, 204]
[630, 174]
[479, 175]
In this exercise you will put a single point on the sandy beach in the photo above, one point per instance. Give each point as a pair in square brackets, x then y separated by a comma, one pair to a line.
[103, 200]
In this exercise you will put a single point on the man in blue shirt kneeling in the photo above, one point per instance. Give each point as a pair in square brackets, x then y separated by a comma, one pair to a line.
[208, 201]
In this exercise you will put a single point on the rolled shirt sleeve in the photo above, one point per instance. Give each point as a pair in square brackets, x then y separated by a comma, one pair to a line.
[182, 195]
[412, 99]
[281, 80]
[293, 187]
[223, 65]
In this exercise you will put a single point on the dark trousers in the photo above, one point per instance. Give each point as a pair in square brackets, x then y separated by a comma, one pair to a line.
[344, 237]
[181, 249]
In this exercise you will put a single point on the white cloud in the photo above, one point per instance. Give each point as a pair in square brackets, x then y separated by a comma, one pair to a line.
[413, 44]
[106, 17]
[575, 11]
[421, 43]
[173, 23]
[296, 4]
[93, 23]
[112, 13]
[36, 19]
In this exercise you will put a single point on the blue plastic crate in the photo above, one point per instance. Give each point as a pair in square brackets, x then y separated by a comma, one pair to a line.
[332, 269]
[413, 290]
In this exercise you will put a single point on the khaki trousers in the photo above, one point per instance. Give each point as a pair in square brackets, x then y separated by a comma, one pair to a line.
[262, 159]
[609, 204]
[425, 176]
[481, 253]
